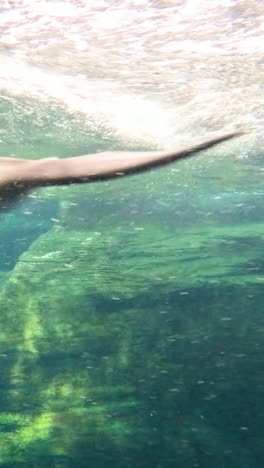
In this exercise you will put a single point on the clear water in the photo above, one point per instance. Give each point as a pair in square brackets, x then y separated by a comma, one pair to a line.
[131, 325]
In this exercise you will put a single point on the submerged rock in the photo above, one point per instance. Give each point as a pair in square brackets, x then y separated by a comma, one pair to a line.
[110, 337]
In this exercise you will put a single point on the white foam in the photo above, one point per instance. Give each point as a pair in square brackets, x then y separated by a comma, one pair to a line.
[148, 71]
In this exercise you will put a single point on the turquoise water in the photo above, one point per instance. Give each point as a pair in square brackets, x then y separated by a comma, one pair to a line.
[131, 324]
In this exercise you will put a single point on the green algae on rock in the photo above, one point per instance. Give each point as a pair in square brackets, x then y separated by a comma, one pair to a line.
[99, 327]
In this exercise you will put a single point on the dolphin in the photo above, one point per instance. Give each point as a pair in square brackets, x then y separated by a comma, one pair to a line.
[19, 176]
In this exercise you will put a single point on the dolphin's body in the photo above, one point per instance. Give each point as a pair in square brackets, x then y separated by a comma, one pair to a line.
[18, 176]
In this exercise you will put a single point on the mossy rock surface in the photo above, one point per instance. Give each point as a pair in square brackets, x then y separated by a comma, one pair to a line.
[110, 338]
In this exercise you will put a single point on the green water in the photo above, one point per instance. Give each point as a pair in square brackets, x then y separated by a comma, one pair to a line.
[132, 318]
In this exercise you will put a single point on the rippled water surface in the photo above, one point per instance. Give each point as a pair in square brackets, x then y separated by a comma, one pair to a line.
[132, 311]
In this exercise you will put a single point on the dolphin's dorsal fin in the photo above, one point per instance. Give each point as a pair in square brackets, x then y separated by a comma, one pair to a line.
[107, 165]
[20, 175]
